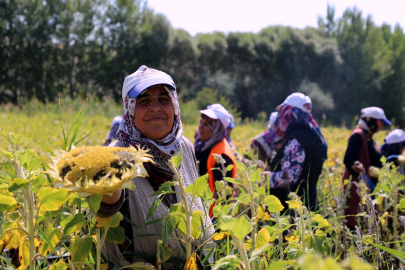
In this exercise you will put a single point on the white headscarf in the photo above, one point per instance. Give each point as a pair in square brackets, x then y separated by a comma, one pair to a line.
[161, 150]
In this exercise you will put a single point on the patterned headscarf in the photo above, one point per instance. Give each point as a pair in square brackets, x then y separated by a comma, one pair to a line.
[389, 149]
[369, 125]
[218, 133]
[290, 118]
[161, 150]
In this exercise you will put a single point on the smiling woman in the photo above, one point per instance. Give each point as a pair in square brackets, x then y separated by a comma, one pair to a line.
[151, 121]
[154, 113]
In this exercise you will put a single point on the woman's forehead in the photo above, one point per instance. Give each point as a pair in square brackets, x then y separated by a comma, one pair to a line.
[158, 90]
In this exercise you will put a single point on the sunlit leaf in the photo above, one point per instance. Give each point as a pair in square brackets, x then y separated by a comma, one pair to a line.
[60, 265]
[294, 204]
[219, 236]
[7, 202]
[196, 217]
[292, 238]
[74, 224]
[112, 222]
[80, 248]
[273, 204]
[52, 199]
[199, 186]
[321, 221]
[176, 160]
[281, 264]
[17, 183]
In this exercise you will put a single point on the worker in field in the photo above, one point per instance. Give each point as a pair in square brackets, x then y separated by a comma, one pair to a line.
[112, 135]
[394, 145]
[361, 154]
[211, 141]
[151, 121]
[263, 145]
[229, 130]
[298, 163]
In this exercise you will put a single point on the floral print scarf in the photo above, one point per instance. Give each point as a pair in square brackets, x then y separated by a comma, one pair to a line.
[290, 118]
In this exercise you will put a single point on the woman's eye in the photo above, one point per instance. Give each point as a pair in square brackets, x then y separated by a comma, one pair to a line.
[143, 101]
[163, 99]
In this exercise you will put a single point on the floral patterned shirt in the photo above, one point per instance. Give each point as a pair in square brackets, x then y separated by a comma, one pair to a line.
[292, 164]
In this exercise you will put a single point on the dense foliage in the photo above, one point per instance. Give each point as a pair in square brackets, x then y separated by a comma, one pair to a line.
[82, 48]
[56, 229]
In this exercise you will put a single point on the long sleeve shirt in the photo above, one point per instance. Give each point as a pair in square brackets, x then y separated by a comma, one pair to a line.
[291, 166]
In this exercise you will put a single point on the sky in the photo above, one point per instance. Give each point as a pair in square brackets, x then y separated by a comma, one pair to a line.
[197, 16]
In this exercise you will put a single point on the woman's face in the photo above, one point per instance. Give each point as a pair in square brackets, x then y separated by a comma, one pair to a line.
[205, 127]
[380, 125]
[154, 113]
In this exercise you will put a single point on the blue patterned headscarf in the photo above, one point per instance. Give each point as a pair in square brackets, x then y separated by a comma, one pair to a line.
[389, 149]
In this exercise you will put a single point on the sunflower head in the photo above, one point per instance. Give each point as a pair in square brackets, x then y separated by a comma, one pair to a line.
[99, 169]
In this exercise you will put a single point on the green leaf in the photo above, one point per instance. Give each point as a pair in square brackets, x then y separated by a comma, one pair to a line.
[239, 227]
[115, 235]
[163, 253]
[255, 176]
[297, 204]
[60, 265]
[231, 180]
[273, 204]
[110, 222]
[178, 208]
[176, 160]
[196, 217]
[321, 221]
[281, 264]
[95, 201]
[207, 194]
[80, 248]
[7, 202]
[75, 224]
[398, 254]
[52, 199]
[316, 241]
[169, 224]
[164, 188]
[198, 188]
[34, 164]
[153, 207]
[17, 183]
[228, 262]
[240, 166]
[229, 167]
[401, 204]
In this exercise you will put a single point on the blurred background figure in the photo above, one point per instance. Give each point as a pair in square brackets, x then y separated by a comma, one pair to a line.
[210, 141]
[112, 135]
[228, 135]
[361, 154]
[298, 163]
[263, 145]
[393, 147]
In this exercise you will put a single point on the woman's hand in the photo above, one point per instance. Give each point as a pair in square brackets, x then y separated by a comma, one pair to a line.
[107, 199]
[358, 167]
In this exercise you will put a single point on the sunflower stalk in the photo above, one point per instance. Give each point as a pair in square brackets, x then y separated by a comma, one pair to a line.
[187, 208]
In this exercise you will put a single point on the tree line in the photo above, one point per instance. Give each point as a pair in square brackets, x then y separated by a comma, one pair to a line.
[86, 47]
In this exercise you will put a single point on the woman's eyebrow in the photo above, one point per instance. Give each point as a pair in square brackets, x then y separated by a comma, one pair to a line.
[161, 94]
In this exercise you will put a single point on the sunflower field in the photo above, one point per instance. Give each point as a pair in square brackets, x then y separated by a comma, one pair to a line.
[44, 225]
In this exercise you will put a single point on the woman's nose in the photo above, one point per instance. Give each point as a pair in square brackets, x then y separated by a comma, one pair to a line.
[155, 105]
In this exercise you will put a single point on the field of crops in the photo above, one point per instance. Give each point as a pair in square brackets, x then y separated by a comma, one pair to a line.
[55, 229]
